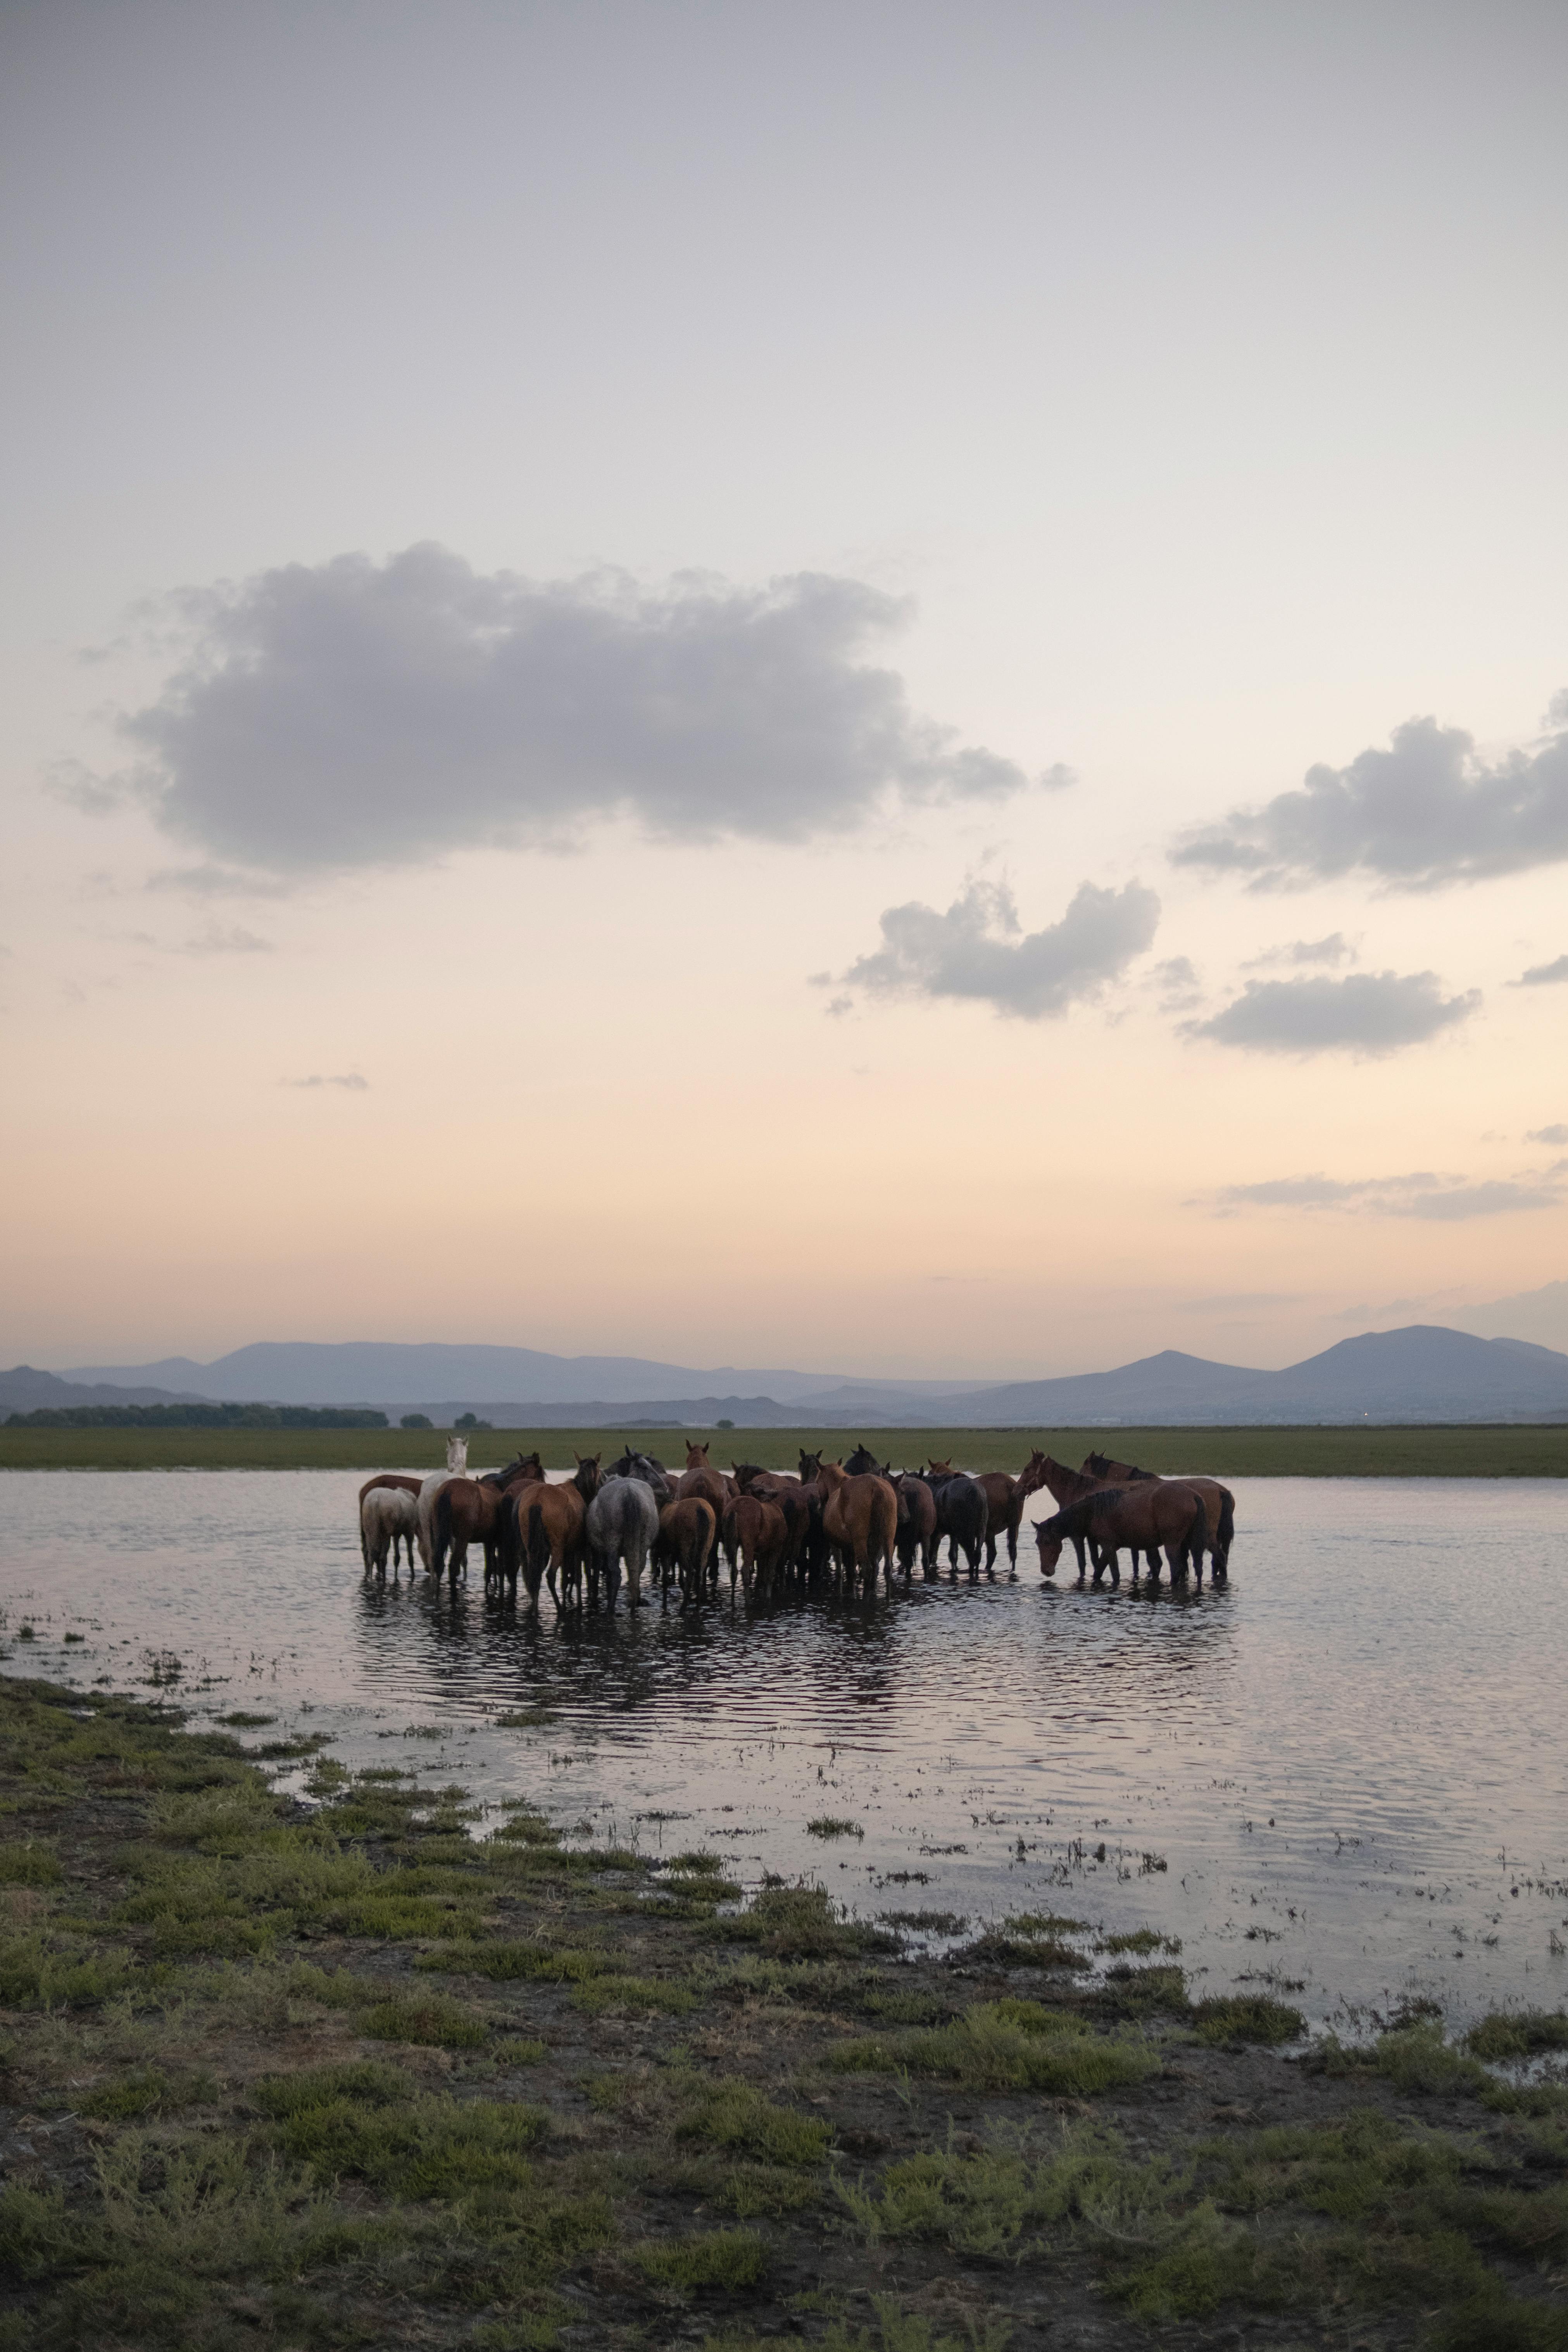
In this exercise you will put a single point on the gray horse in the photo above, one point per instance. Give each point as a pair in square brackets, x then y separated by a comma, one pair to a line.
[623, 1520]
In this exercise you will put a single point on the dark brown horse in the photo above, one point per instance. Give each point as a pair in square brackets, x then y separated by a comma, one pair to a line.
[1004, 1499]
[683, 1547]
[1139, 1519]
[860, 1521]
[1219, 1504]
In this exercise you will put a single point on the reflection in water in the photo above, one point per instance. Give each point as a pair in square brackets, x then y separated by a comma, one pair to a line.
[1336, 1772]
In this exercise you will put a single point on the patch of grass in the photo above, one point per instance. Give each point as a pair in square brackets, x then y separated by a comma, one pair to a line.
[930, 1923]
[834, 1825]
[1248, 2016]
[370, 2080]
[729, 2113]
[241, 1720]
[906, 2331]
[722, 2258]
[1141, 1940]
[428, 2146]
[518, 1959]
[601, 1993]
[40, 1971]
[1031, 1939]
[28, 1864]
[427, 2018]
[1517, 2033]
[145, 2091]
[1141, 1992]
[989, 2203]
[1006, 2045]
[800, 1923]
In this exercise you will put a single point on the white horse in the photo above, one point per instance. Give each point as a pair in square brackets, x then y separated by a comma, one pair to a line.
[387, 1517]
[457, 1463]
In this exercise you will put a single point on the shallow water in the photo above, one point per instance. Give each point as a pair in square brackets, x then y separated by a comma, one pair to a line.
[1346, 1773]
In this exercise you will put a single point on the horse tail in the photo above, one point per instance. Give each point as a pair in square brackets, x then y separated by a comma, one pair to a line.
[441, 1521]
[1198, 1534]
[1225, 1534]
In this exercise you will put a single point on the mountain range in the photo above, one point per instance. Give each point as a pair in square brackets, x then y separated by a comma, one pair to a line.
[1422, 1372]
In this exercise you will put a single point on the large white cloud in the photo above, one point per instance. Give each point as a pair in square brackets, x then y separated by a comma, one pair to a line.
[978, 949]
[1423, 812]
[354, 713]
[1366, 1012]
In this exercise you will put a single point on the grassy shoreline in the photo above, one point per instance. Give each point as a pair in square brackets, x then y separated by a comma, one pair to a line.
[1468, 1449]
[397, 2069]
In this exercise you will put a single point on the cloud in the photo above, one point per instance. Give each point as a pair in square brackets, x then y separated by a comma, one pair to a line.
[1229, 1302]
[1179, 985]
[1421, 1193]
[1368, 1012]
[977, 950]
[1425, 813]
[838, 1006]
[1547, 1135]
[350, 1081]
[1336, 948]
[212, 882]
[1542, 975]
[219, 940]
[356, 714]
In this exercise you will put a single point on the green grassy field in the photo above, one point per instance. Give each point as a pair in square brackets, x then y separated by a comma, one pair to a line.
[1359, 1452]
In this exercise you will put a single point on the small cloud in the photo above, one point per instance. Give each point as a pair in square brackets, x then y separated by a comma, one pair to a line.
[819, 980]
[1232, 1302]
[80, 789]
[1420, 1193]
[1333, 950]
[1366, 1013]
[1178, 983]
[1542, 975]
[1058, 778]
[839, 1006]
[350, 1081]
[209, 881]
[1425, 813]
[978, 950]
[1547, 1135]
[221, 940]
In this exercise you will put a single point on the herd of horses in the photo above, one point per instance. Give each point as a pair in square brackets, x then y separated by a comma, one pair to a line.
[844, 1523]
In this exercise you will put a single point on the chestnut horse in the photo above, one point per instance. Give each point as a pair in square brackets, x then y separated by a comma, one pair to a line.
[700, 1477]
[860, 1520]
[545, 1532]
[1137, 1519]
[684, 1545]
[754, 1535]
[1219, 1504]
[469, 1511]
[1003, 1509]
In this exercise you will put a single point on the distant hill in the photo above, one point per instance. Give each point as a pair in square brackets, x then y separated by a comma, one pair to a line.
[1423, 1372]
[26, 1390]
[392, 1373]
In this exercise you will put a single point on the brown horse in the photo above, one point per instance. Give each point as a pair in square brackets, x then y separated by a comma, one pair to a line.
[472, 1510]
[1112, 1519]
[701, 1478]
[917, 1527]
[688, 1531]
[860, 1521]
[545, 1532]
[1219, 1504]
[754, 1535]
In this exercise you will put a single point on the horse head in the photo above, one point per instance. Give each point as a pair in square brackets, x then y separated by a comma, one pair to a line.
[456, 1452]
[697, 1455]
[810, 1464]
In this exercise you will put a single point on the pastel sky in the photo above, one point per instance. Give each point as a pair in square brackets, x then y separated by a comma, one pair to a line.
[875, 687]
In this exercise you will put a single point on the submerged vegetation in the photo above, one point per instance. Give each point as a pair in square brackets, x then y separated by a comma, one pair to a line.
[389, 2067]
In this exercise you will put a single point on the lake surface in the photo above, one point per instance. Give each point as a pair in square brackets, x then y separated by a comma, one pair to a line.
[1346, 1773]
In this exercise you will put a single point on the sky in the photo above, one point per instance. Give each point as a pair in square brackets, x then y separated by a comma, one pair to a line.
[883, 688]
